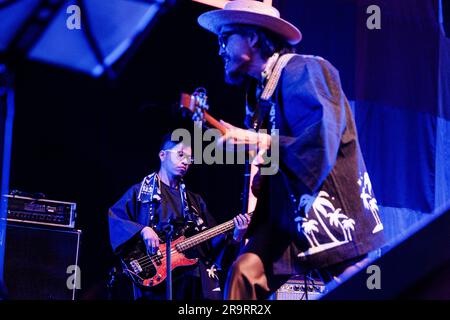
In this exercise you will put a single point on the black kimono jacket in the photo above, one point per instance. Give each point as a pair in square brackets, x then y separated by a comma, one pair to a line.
[319, 209]
[128, 216]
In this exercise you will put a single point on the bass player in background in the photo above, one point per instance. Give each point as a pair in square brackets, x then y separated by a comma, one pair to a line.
[147, 207]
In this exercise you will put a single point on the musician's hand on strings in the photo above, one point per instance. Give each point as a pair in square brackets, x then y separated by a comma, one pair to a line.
[257, 141]
[238, 136]
[151, 240]
[241, 223]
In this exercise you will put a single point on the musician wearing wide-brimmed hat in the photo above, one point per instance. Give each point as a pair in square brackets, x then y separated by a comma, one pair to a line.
[318, 210]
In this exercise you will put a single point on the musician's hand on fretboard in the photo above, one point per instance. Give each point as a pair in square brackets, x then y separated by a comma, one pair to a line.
[237, 136]
[241, 222]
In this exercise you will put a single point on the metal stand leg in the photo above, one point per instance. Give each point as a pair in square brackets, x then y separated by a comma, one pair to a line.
[169, 231]
[6, 116]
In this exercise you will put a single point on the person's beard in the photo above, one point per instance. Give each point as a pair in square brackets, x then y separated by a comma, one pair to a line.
[236, 78]
[234, 68]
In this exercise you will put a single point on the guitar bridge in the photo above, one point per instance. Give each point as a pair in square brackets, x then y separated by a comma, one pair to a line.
[135, 266]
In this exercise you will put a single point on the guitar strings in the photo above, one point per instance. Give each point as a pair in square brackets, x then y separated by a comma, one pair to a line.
[147, 260]
[192, 241]
[144, 261]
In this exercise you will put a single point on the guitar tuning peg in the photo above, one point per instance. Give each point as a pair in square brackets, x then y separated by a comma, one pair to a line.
[201, 98]
[200, 91]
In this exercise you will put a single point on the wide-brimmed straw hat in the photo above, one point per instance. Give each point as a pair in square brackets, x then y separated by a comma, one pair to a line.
[250, 12]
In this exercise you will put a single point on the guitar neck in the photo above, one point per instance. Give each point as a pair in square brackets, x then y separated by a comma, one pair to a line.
[187, 102]
[249, 203]
[213, 122]
[205, 235]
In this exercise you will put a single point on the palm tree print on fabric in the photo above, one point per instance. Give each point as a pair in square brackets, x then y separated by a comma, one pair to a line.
[212, 272]
[335, 224]
[348, 224]
[369, 201]
[308, 227]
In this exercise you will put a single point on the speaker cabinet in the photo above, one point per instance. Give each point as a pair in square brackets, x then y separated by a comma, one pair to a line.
[41, 263]
[295, 289]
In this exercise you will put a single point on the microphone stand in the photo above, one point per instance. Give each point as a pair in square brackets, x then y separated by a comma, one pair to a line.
[246, 186]
[111, 282]
[245, 192]
[169, 231]
[7, 108]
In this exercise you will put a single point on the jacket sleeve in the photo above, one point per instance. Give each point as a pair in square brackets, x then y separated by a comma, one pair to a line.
[222, 248]
[313, 107]
[122, 217]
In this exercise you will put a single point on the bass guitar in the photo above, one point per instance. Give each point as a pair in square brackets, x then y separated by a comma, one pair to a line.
[149, 270]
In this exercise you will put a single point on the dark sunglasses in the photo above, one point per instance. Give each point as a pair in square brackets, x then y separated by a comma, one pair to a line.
[223, 37]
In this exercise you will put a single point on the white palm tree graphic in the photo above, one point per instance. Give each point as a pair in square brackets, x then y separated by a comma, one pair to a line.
[335, 220]
[212, 272]
[369, 201]
[308, 227]
[319, 205]
[348, 224]
[374, 209]
[322, 207]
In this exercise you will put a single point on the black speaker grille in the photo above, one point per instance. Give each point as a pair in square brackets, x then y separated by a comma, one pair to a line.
[37, 261]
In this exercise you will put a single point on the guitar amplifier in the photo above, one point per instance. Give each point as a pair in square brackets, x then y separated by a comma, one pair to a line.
[40, 211]
[295, 289]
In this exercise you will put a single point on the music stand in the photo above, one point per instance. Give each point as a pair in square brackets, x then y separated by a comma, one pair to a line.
[95, 37]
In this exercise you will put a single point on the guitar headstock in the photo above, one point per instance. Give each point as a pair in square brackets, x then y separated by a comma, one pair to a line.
[196, 103]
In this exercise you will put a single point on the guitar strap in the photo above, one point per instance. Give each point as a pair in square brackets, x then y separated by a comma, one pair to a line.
[150, 194]
[272, 78]
[272, 82]
[190, 215]
[264, 105]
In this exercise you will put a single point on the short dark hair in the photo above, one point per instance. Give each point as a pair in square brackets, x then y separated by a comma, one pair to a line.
[167, 142]
[268, 42]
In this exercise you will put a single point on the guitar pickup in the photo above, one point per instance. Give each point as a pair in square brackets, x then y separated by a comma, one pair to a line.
[158, 257]
[135, 266]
